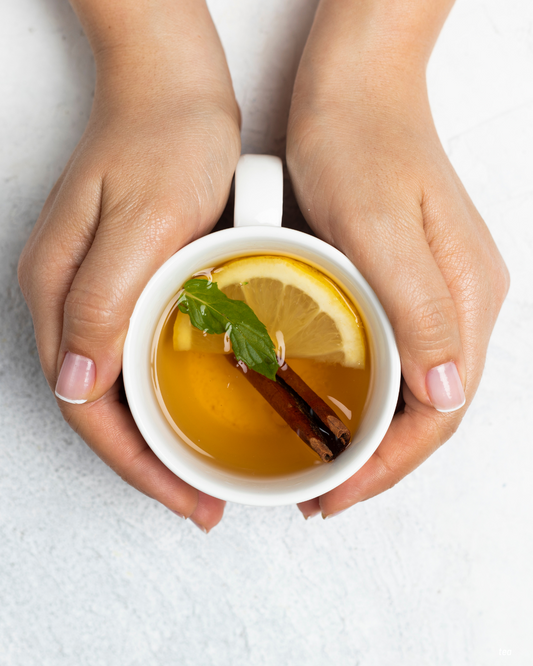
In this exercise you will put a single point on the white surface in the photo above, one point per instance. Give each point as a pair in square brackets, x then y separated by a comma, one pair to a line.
[436, 571]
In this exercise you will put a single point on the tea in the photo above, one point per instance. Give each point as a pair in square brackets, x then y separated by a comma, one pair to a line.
[211, 404]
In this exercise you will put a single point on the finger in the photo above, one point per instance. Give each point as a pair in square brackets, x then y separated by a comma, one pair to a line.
[412, 437]
[472, 267]
[208, 512]
[310, 508]
[132, 241]
[392, 252]
[108, 427]
[47, 266]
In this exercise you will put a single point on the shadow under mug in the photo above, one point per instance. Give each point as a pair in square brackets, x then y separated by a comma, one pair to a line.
[258, 230]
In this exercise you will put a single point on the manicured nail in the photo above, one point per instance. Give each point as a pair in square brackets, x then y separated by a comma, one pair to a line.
[332, 515]
[200, 527]
[444, 387]
[180, 515]
[76, 379]
[311, 515]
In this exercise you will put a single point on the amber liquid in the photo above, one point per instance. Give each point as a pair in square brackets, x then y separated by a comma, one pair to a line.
[222, 417]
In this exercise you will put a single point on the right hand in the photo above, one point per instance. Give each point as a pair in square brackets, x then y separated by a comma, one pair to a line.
[151, 173]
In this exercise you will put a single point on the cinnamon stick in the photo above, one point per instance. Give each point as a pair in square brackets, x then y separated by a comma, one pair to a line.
[297, 411]
[324, 412]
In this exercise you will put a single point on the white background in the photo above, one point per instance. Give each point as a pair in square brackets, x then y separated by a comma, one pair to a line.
[437, 571]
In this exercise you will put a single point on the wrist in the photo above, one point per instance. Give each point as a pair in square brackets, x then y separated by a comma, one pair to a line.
[378, 48]
[138, 24]
[151, 52]
[400, 32]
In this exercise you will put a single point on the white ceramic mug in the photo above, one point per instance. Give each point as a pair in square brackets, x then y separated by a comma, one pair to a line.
[258, 210]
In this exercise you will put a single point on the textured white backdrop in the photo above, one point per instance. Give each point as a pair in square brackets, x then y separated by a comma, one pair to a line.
[435, 572]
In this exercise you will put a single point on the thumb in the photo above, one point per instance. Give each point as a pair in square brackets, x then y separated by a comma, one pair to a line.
[401, 268]
[99, 304]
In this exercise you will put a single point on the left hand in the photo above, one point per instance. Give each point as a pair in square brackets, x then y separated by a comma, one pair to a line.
[372, 179]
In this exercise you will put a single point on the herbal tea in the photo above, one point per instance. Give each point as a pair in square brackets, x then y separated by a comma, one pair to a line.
[227, 411]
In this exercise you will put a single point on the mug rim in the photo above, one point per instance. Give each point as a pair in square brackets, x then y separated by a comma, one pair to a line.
[260, 491]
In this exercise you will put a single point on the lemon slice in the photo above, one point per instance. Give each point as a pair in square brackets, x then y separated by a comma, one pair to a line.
[306, 314]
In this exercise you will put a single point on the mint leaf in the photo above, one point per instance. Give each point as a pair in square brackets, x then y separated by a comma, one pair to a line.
[212, 311]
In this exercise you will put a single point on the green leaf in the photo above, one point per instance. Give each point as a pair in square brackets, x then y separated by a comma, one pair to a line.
[212, 311]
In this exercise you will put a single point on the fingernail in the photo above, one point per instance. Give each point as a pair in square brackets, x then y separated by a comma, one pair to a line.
[200, 527]
[444, 387]
[76, 379]
[180, 515]
[311, 515]
[332, 515]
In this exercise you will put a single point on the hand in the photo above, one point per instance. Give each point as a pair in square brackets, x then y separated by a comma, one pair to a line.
[151, 173]
[372, 178]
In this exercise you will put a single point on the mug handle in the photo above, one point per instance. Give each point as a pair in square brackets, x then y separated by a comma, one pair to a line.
[258, 191]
